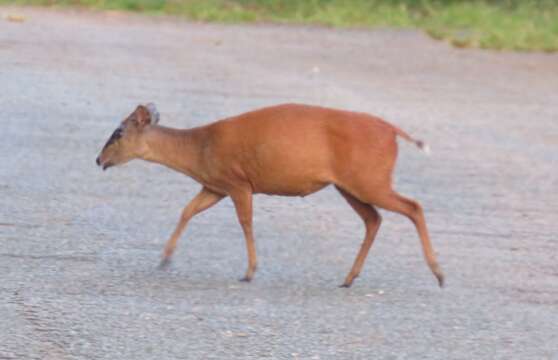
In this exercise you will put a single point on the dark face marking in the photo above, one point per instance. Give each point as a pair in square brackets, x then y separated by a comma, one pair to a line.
[116, 135]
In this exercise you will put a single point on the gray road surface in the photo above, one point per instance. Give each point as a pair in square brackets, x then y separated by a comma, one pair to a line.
[79, 247]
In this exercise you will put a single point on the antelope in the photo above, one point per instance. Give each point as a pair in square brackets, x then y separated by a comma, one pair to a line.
[290, 150]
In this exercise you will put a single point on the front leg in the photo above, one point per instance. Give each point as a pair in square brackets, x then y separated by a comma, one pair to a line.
[243, 203]
[202, 201]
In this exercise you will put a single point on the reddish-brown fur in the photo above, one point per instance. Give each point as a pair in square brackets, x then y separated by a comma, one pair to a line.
[291, 150]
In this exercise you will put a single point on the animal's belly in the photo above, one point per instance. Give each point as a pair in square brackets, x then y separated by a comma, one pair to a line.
[282, 167]
[288, 185]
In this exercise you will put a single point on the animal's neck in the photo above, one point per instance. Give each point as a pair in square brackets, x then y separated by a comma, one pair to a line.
[174, 148]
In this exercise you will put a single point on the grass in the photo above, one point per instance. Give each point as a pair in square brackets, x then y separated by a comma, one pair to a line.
[525, 25]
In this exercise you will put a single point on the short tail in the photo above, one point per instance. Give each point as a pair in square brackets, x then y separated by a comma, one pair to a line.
[419, 143]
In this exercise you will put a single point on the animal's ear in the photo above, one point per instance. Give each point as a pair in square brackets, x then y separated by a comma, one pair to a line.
[153, 113]
[147, 114]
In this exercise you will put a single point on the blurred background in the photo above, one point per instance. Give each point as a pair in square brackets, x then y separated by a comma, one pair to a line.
[495, 24]
[79, 247]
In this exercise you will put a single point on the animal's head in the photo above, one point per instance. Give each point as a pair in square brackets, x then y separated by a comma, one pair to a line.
[127, 141]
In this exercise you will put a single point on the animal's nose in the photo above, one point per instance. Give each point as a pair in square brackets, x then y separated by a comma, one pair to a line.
[98, 161]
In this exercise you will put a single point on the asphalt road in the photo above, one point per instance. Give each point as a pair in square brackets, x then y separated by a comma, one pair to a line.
[79, 247]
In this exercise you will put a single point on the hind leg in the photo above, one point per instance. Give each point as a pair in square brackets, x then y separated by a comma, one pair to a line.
[413, 210]
[372, 221]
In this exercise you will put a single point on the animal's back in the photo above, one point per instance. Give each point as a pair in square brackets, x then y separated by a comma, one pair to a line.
[296, 149]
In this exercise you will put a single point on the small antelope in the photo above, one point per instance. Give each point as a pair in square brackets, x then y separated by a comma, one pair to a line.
[292, 150]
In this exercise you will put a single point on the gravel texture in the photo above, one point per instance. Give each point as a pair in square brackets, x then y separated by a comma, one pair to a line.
[80, 247]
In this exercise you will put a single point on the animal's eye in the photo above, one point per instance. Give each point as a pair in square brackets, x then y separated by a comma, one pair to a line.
[117, 134]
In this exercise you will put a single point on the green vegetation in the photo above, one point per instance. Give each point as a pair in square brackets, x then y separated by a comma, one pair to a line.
[506, 24]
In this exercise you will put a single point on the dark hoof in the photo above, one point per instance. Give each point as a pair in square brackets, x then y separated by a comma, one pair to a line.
[345, 285]
[245, 279]
[164, 264]
[441, 280]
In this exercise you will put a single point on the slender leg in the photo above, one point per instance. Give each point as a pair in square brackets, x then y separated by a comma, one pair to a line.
[412, 209]
[243, 204]
[202, 201]
[372, 221]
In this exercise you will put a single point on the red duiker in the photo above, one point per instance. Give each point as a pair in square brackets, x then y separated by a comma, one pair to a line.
[291, 150]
